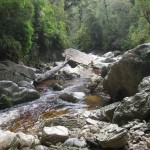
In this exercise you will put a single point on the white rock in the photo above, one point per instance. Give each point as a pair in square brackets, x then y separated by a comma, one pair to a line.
[53, 135]
[26, 140]
[8, 139]
[78, 95]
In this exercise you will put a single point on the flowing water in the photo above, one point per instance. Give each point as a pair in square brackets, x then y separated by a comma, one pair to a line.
[28, 117]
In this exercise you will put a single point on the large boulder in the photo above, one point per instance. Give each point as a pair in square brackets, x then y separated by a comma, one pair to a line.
[124, 77]
[11, 93]
[15, 72]
[78, 56]
[134, 107]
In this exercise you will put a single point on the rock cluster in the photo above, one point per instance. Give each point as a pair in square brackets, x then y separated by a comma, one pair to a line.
[12, 94]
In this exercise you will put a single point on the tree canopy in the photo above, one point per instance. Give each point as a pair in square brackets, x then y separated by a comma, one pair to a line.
[41, 29]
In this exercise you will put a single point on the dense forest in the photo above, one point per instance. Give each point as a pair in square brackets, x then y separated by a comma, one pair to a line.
[34, 30]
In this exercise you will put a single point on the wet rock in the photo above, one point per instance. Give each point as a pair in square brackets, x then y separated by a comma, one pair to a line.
[77, 56]
[98, 63]
[112, 136]
[109, 60]
[11, 94]
[134, 107]
[95, 84]
[125, 76]
[15, 72]
[108, 55]
[75, 142]
[78, 95]
[53, 135]
[26, 141]
[57, 87]
[104, 113]
[25, 84]
[117, 53]
[72, 96]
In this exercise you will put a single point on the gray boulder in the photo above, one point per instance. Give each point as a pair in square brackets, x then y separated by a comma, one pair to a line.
[134, 107]
[15, 72]
[11, 94]
[124, 77]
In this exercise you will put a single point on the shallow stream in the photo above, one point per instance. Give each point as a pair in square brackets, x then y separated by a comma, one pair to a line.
[28, 117]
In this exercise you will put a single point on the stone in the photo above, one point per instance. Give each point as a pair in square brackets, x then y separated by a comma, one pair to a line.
[117, 53]
[11, 94]
[109, 60]
[26, 140]
[71, 73]
[15, 72]
[112, 136]
[57, 87]
[41, 147]
[25, 84]
[134, 107]
[8, 140]
[75, 142]
[105, 113]
[77, 56]
[54, 135]
[108, 55]
[95, 84]
[72, 96]
[125, 75]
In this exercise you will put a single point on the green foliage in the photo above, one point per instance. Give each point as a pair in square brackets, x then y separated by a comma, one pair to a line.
[42, 29]
[15, 26]
[50, 28]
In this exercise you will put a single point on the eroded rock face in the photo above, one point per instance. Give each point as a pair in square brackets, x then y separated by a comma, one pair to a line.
[134, 107]
[11, 94]
[15, 72]
[125, 76]
[53, 135]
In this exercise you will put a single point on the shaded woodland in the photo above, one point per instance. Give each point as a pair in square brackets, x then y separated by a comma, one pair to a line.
[39, 30]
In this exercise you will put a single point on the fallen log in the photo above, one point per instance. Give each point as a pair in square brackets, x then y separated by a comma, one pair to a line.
[50, 73]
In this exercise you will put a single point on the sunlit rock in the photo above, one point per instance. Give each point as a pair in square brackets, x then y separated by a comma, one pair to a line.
[53, 135]
[8, 140]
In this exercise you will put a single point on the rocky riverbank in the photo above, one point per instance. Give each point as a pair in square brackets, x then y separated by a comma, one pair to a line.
[119, 95]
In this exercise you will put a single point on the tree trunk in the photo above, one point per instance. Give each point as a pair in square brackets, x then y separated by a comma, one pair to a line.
[50, 73]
